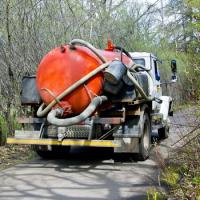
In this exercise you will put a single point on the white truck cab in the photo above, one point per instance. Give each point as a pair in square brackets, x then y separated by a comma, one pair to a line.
[151, 63]
[163, 108]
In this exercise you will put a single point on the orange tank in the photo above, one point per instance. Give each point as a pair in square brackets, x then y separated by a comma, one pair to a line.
[62, 67]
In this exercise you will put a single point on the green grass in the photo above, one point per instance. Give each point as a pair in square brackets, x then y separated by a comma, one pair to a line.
[5, 129]
[170, 176]
[182, 107]
[155, 194]
[182, 174]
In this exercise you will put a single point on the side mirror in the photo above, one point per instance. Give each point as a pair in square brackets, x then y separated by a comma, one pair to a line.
[173, 66]
[173, 70]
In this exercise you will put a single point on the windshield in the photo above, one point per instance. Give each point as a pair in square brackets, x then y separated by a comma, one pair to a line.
[140, 61]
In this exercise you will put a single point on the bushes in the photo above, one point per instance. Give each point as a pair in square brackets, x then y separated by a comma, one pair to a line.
[7, 127]
[183, 173]
[188, 65]
[3, 130]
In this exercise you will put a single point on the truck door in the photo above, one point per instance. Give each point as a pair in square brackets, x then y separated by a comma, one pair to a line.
[158, 91]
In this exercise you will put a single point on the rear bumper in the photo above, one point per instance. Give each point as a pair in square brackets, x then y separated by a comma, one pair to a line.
[65, 142]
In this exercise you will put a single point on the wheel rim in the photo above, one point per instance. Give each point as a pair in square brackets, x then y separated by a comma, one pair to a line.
[146, 137]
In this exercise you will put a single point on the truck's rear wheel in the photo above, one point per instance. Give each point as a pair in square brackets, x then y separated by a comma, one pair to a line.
[55, 152]
[145, 140]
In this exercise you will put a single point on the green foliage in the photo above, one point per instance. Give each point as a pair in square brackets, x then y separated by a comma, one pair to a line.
[170, 176]
[194, 5]
[5, 127]
[196, 181]
[183, 171]
[4, 130]
[154, 194]
[30, 28]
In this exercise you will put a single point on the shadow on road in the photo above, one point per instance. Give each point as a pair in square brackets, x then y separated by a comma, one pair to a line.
[84, 174]
[87, 174]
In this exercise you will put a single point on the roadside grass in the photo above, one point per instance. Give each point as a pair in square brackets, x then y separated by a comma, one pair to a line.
[155, 194]
[170, 176]
[185, 106]
[180, 174]
[4, 128]
[182, 107]
[11, 155]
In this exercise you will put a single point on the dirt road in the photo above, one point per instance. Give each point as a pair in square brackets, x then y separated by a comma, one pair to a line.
[85, 175]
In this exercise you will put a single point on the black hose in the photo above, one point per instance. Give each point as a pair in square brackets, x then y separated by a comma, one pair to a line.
[124, 51]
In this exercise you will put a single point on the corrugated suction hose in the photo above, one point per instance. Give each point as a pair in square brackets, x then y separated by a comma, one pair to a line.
[54, 114]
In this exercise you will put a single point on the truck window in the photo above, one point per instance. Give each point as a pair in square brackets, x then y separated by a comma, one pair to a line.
[157, 74]
[139, 61]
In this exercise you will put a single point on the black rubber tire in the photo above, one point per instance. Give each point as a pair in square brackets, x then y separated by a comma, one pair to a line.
[145, 140]
[55, 153]
[163, 133]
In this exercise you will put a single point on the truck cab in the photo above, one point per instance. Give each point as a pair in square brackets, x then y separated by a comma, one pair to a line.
[162, 108]
[151, 63]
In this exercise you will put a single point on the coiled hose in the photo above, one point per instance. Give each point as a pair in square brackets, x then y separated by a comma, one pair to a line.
[54, 114]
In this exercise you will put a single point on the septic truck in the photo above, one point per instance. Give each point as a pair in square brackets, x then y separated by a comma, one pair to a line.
[83, 96]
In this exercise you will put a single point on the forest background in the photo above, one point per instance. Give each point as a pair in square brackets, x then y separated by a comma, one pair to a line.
[30, 28]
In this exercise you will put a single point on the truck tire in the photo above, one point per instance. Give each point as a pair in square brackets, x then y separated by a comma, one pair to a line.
[145, 140]
[163, 133]
[54, 153]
